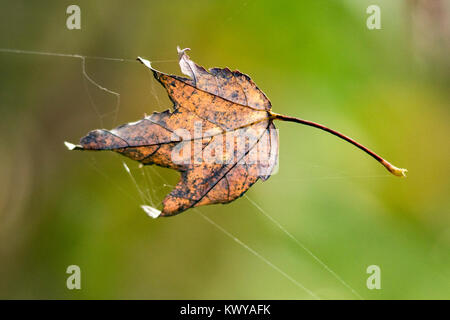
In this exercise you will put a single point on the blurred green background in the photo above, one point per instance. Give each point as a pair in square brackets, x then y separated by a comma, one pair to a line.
[317, 60]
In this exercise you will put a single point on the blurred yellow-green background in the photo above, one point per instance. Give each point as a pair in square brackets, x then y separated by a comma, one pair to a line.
[387, 88]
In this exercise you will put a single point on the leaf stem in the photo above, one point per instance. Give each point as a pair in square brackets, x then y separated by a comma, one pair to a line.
[391, 168]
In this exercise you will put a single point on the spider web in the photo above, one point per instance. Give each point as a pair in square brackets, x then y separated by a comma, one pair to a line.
[147, 180]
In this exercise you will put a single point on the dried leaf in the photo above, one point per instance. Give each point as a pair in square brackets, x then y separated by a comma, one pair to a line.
[220, 112]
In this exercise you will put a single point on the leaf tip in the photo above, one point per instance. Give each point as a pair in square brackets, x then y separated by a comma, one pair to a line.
[72, 146]
[145, 62]
[150, 211]
[182, 51]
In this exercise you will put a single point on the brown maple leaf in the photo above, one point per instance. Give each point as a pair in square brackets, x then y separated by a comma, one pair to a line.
[220, 136]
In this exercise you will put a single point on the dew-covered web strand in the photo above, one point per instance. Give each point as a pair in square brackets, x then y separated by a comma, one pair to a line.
[336, 178]
[92, 164]
[163, 181]
[301, 245]
[143, 198]
[148, 193]
[139, 190]
[86, 77]
[152, 86]
[57, 54]
[333, 173]
[77, 56]
[148, 181]
[259, 256]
